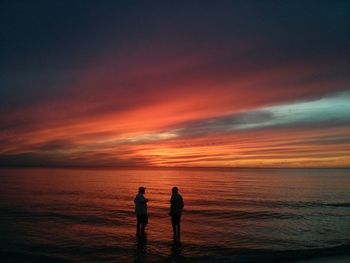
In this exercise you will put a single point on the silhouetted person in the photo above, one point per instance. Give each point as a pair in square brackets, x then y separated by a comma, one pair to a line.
[176, 206]
[141, 211]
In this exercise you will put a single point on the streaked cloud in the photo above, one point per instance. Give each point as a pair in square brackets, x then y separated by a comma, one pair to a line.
[177, 84]
[333, 109]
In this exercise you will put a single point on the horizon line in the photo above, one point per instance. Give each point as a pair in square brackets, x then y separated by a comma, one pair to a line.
[100, 167]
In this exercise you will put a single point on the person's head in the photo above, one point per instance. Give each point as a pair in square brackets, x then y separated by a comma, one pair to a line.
[175, 190]
[142, 190]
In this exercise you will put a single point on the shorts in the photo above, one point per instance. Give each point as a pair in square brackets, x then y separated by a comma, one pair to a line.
[142, 219]
[175, 219]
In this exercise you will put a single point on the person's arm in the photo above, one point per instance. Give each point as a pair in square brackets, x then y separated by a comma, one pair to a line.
[182, 204]
[171, 204]
[144, 200]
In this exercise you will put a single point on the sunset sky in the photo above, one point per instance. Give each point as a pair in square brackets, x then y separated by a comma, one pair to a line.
[175, 83]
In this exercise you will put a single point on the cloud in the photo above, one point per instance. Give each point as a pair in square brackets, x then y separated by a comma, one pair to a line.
[54, 145]
[44, 159]
[170, 75]
[333, 109]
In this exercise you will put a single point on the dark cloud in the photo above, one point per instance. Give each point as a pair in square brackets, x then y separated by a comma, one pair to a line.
[53, 145]
[223, 124]
[45, 45]
[34, 159]
[29, 159]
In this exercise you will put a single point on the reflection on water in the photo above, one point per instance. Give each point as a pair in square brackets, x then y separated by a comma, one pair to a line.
[175, 254]
[87, 215]
[141, 251]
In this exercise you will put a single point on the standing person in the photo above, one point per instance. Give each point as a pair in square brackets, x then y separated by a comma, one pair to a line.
[141, 211]
[176, 206]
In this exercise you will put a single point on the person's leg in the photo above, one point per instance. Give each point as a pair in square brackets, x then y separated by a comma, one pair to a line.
[178, 217]
[173, 223]
[143, 226]
[138, 226]
[144, 223]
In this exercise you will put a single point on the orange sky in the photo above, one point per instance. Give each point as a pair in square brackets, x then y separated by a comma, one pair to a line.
[245, 88]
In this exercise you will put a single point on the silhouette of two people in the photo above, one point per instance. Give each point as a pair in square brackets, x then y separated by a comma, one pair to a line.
[176, 207]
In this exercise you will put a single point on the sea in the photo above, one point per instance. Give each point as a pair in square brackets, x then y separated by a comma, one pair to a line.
[230, 215]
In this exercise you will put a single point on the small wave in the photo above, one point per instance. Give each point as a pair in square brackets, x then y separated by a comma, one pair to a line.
[44, 215]
[266, 204]
[338, 204]
[185, 252]
[217, 253]
[240, 214]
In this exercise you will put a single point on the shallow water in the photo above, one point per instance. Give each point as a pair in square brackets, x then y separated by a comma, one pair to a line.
[231, 215]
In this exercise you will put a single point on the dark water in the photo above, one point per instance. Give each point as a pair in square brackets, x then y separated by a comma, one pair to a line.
[257, 215]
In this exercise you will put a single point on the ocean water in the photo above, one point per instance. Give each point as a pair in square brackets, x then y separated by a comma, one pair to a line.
[242, 215]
